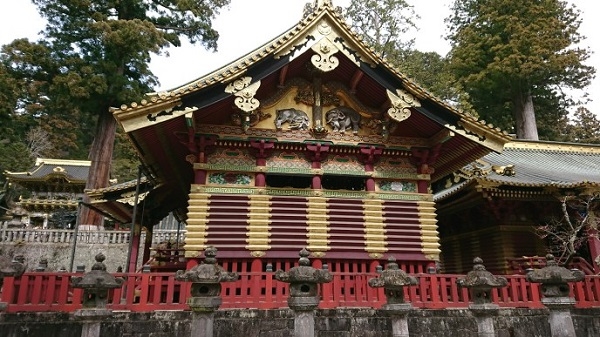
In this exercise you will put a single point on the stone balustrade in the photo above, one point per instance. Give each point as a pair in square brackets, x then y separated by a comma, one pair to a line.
[35, 235]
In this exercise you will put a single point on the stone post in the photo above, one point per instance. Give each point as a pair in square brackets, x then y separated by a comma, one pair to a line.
[96, 285]
[14, 268]
[480, 283]
[554, 281]
[304, 293]
[393, 280]
[206, 281]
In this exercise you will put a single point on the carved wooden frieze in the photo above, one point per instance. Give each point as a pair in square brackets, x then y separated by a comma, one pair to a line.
[294, 118]
[342, 118]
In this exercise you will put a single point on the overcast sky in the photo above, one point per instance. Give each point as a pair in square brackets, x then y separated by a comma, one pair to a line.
[248, 24]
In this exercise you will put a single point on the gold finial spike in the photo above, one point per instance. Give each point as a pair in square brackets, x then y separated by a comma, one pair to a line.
[311, 7]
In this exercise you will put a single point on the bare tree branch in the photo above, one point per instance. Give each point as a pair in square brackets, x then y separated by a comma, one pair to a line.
[569, 233]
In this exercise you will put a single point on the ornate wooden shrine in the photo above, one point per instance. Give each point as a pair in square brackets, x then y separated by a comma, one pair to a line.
[310, 141]
[495, 203]
[53, 185]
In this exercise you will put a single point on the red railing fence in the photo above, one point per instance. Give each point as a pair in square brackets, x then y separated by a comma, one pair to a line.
[142, 292]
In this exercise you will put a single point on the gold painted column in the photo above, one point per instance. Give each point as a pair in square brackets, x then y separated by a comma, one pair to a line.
[257, 231]
[197, 223]
[375, 238]
[429, 235]
[317, 241]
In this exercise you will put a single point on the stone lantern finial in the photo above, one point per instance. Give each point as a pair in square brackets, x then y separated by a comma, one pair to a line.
[480, 283]
[96, 283]
[206, 281]
[554, 279]
[303, 281]
[393, 280]
[15, 268]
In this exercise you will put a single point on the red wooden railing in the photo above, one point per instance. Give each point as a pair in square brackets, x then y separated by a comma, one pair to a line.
[519, 265]
[142, 292]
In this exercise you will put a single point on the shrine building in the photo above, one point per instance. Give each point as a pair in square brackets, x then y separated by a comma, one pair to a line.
[493, 207]
[309, 141]
[52, 185]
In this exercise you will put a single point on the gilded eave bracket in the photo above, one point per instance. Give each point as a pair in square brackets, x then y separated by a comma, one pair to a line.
[244, 90]
[401, 102]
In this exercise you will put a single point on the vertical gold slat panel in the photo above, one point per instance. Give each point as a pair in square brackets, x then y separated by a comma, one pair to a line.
[318, 226]
[197, 223]
[375, 239]
[259, 209]
[429, 234]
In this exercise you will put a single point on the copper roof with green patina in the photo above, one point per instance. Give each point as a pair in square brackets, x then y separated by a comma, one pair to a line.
[73, 171]
[531, 164]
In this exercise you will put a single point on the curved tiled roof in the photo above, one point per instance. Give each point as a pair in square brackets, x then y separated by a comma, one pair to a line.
[282, 45]
[131, 184]
[538, 164]
[239, 66]
[546, 167]
[74, 171]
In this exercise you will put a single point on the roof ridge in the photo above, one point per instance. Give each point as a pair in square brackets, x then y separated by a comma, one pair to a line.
[549, 146]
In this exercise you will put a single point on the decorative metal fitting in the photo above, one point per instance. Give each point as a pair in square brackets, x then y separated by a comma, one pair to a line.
[393, 280]
[554, 278]
[96, 283]
[481, 282]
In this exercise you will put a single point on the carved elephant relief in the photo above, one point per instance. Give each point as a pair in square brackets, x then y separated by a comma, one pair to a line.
[296, 119]
[343, 118]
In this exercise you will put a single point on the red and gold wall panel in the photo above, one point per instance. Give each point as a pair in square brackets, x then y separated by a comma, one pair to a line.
[259, 222]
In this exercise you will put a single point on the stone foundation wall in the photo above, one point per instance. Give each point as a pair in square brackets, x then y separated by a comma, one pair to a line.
[59, 254]
[280, 323]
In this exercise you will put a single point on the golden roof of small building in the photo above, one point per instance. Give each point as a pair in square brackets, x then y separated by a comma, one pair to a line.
[72, 171]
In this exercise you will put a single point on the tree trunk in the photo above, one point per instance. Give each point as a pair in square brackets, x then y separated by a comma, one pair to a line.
[524, 112]
[101, 159]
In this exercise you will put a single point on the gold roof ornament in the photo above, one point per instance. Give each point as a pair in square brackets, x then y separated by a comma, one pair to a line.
[324, 60]
[401, 104]
[245, 91]
[310, 8]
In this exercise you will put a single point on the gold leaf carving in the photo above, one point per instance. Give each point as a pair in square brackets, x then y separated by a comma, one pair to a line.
[325, 59]
[245, 91]
[401, 104]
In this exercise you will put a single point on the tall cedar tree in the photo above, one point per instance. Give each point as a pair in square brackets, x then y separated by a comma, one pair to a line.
[385, 26]
[508, 54]
[95, 55]
[382, 23]
[583, 127]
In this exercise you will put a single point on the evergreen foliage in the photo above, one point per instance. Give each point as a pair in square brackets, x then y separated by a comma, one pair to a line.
[512, 55]
[94, 55]
[385, 25]
[583, 127]
[382, 24]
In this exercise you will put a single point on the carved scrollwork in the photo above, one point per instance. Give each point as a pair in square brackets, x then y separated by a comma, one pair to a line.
[245, 91]
[401, 104]
[325, 60]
